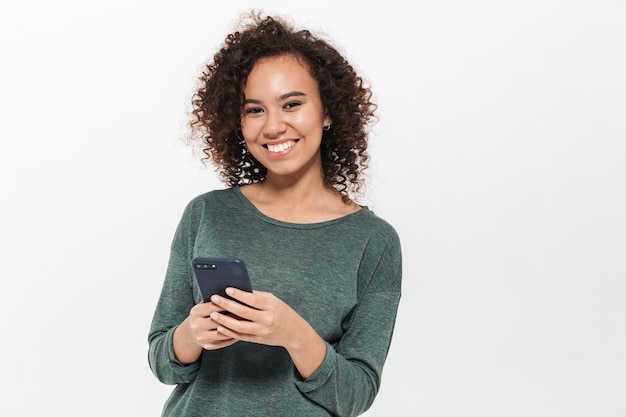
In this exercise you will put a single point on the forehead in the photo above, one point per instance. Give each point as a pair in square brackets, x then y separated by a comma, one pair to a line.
[284, 59]
[281, 70]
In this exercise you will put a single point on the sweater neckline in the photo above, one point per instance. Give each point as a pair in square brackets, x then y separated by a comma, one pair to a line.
[256, 212]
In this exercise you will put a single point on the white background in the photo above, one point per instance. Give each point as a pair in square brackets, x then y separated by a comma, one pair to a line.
[499, 158]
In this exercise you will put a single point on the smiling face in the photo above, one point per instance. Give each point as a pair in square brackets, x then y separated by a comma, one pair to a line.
[283, 117]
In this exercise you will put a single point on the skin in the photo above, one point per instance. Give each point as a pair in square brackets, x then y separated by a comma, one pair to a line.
[282, 122]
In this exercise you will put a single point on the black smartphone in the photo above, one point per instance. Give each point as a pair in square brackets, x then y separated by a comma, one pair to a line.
[213, 275]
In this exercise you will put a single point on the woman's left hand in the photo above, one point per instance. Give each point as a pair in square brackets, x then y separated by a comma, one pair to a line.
[267, 320]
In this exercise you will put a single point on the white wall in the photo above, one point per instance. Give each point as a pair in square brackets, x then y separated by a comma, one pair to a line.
[499, 158]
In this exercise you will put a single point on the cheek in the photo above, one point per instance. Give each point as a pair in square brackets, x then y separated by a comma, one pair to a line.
[250, 129]
[309, 123]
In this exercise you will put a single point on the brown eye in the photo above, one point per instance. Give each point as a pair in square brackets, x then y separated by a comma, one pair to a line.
[292, 105]
[253, 111]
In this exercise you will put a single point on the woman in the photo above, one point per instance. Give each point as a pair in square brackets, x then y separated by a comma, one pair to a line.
[284, 117]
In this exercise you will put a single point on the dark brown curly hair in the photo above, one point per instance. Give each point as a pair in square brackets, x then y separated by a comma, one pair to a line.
[217, 105]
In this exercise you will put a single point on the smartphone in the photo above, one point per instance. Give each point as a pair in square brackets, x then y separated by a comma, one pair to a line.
[213, 275]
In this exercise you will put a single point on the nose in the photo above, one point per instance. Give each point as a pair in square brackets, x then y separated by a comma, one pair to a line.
[274, 125]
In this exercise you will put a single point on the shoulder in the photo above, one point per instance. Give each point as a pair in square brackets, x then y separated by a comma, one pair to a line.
[377, 226]
[205, 207]
[211, 200]
[213, 196]
[211, 205]
[380, 267]
[383, 240]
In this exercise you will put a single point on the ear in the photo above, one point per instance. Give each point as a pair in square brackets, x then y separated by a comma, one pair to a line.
[327, 120]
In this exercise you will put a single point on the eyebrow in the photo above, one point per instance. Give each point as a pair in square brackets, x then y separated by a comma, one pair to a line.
[280, 98]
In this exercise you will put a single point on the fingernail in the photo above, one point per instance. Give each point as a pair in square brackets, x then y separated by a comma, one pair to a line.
[230, 291]
[215, 298]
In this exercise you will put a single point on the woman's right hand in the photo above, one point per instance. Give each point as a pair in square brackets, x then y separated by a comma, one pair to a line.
[204, 329]
[198, 331]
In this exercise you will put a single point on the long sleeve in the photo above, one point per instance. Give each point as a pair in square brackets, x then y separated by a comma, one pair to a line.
[348, 380]
[173, 307]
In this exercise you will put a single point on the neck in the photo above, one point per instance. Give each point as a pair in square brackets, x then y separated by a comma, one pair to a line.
[293, 191]
[298, 202]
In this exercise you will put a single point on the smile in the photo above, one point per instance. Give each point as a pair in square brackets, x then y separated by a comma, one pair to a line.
[280, 147]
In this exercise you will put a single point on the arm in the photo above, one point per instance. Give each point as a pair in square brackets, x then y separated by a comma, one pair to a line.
[348, 380]
[179, 333]
[173, 307]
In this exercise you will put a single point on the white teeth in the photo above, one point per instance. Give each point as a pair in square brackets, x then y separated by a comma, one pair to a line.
[281, 146]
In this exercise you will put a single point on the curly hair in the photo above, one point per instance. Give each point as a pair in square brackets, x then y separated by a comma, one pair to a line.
[217, 104]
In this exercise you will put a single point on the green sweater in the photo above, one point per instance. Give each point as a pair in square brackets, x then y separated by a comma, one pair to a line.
[343, 276]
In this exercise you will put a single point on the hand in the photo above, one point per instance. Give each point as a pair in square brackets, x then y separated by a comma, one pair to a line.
[267, 320]
[204, 330]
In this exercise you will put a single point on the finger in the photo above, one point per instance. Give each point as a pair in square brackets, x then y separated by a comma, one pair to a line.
[232, 327]
[252, 299]
[204, 309]
[220, 344]
[201, 327]
[215, 340]
[213, 336]
[233, 307]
